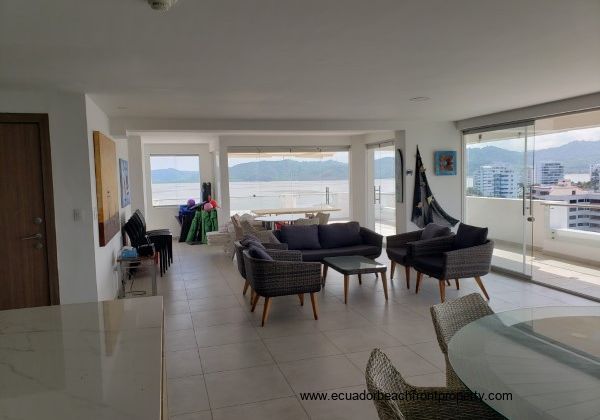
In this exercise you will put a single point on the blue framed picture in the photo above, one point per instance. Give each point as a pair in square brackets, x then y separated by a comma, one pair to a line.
[445, 162]
[125, 193]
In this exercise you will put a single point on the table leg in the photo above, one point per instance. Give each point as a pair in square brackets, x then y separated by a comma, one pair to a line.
[384, 281]
[360, 279]
[154, 291]
[325, 267]
[346, 280]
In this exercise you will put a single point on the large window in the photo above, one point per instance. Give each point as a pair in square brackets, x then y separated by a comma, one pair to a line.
[175, 179]
[292, 178]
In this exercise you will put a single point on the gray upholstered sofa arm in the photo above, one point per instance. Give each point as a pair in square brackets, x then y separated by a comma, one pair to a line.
[468, 262]
[402, 239]
[431, 246]
[370, 237]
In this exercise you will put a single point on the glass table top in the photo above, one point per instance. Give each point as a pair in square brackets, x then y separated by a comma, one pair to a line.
[547, 359]
[353, 263]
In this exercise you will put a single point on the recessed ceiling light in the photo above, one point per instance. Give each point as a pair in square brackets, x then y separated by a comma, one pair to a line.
[420, 99]
[121, 107]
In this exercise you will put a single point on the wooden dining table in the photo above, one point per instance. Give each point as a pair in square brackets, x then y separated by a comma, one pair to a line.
[295, 210]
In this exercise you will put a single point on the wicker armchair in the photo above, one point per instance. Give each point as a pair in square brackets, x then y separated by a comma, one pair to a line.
[423, 403]
[398, 249]
[439, 259]
[286, 275]
[450, 317]
[239, 248]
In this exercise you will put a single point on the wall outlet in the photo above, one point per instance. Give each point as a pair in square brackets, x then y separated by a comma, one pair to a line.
[77, 215]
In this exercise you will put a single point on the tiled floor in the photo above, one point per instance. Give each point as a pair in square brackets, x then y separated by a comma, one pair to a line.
[221, 364]
[555, 271]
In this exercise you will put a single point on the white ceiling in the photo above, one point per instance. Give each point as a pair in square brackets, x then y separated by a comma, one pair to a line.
[305, 59]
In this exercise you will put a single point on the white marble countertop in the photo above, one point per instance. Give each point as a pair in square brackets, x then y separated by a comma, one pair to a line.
[84, 361]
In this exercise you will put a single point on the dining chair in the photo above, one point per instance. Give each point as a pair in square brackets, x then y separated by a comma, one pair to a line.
[449, 317]
[384, 380]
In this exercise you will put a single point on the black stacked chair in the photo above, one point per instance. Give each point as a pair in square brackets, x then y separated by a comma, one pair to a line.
[162, 239]
[155, 233]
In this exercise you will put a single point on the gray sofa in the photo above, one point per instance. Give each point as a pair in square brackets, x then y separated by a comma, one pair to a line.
[336, 239]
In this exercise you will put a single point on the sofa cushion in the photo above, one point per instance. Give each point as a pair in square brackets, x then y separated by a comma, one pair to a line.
[399, 255]
[259, 253]
[434, 231]
[301, 237]
[338, 235]
[432, 265]
[468, 236]
[318, 254]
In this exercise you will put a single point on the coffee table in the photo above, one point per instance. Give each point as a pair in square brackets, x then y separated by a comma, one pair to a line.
[355, 264]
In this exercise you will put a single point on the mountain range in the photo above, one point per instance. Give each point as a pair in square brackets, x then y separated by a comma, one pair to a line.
[577, 157]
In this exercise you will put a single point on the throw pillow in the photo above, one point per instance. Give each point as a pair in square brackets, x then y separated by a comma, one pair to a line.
[267, 236]
[339, 235]
[248, 240]
[434, 231]
[468, 236]
[301, 237]
[248, 228]
[259, 253]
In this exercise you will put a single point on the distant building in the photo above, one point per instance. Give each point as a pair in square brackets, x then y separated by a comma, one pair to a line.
[495, 181]
[595, 176]
[580, 218]
[549, 173]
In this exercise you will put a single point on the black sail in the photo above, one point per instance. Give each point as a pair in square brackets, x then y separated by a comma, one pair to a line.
[426, 209]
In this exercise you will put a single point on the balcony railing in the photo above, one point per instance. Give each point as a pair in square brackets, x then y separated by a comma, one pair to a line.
[551, 229]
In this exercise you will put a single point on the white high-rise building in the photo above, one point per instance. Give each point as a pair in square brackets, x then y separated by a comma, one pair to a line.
[496, 181]
[549, 172]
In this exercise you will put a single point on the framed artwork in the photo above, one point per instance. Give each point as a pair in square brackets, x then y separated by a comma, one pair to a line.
[445, 162]
[105, 159]
[124, 178]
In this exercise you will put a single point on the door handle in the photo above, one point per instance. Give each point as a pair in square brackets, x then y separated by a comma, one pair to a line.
[32, 237]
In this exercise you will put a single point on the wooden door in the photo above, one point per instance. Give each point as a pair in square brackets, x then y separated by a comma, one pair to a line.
[28, 270]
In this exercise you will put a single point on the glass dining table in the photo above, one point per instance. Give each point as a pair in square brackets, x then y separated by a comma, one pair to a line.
[533, 363]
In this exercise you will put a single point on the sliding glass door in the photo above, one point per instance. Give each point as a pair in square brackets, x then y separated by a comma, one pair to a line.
[383, 190]
[498, 192]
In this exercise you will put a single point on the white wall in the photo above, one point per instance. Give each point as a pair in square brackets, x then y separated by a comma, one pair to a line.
[431, 137]
[71, 180]
[164, 216]
[106, 256]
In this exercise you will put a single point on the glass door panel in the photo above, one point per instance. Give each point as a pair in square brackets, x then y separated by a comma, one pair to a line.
[384, 189]
[499, 177]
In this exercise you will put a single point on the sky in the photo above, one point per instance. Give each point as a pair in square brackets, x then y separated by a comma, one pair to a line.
[182, 163]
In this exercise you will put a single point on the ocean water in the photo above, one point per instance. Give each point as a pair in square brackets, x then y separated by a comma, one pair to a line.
[247, 196]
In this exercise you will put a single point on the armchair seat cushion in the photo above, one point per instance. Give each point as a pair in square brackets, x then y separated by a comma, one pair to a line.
[319, 254]
[399, 255]
[432, 265]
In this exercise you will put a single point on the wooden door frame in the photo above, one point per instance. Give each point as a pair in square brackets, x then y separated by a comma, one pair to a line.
[44, 132]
